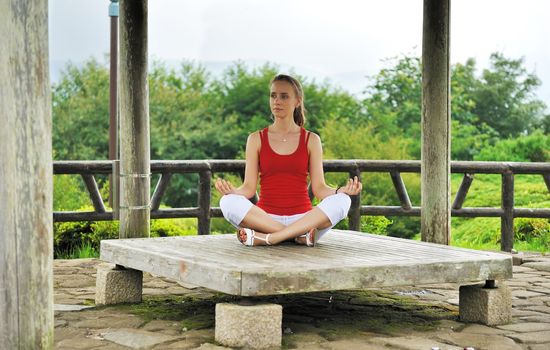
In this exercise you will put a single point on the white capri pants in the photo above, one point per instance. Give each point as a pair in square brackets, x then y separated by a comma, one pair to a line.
[235, 207]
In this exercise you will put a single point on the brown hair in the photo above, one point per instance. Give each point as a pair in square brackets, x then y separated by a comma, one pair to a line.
[300, 111]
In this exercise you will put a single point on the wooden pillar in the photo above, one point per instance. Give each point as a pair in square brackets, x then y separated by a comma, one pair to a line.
[26, 228]
[135, 169]
[436, 123]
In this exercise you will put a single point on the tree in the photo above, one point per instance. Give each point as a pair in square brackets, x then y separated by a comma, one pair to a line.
[499, 104]
[505, 97]
[80, 116]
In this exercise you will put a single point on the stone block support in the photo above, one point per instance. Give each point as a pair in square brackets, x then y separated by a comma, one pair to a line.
[115, 285]
[251, 326]
[489, 306]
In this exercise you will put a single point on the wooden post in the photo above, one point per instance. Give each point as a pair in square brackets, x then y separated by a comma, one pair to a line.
[507, 219]
[354, 214]
[205, 183]
[436, 123]
[26, 229]
[135, 177]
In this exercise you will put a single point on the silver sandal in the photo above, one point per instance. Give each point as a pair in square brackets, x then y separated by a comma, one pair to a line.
[251, 236]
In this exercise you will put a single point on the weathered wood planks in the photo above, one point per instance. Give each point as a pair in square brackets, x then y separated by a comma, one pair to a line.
[342, 260]
[26, 238]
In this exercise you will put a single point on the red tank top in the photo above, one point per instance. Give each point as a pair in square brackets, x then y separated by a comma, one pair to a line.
[283, 178]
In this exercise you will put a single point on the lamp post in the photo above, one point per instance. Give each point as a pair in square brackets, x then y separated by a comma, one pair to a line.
[113, 120]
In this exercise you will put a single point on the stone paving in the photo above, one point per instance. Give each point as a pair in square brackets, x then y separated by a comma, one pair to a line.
[174, 316]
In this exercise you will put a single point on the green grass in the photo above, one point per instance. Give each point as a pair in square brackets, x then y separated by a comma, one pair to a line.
[83, 251]
[484, 233]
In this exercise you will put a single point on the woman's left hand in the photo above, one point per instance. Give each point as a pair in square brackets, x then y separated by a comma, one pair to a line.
[352, 187]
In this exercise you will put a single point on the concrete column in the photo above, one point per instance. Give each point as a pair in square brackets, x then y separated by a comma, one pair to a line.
[26, 228]
[135, 180]
[115, 285]
[488, 305]
[436, 123]
[249, 326]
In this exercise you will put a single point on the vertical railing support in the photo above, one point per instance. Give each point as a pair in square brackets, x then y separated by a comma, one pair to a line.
[93, 191]
[205, 181]
[354, 214]
[159, 190]
[463, 191]
[546, 178]
[507, 220]
[115, 182]
[401, 190]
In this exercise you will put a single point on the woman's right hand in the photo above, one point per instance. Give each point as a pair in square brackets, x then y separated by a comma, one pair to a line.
[224, 187]
[352, 188]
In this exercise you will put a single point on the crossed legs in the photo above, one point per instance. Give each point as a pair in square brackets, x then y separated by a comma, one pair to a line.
[241, 213]
[315, 218]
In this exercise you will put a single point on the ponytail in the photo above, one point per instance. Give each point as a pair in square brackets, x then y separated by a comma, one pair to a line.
[300, 111]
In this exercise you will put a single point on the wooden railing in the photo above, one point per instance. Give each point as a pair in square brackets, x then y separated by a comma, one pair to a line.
[205, 168]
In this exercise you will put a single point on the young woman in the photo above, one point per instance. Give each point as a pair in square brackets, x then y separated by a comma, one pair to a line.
[284, 154]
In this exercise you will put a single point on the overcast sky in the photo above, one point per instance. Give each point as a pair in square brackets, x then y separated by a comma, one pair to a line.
[342, 41]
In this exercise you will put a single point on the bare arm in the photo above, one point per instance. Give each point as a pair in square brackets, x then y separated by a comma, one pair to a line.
[248, 188]
[317, 176]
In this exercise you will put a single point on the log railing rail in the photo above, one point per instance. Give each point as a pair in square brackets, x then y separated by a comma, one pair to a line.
[205, 168]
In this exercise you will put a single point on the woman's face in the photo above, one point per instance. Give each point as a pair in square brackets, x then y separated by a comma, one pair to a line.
[283, 99]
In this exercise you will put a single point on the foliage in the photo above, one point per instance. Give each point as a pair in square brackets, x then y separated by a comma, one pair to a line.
[484, 233]
[194, 115]
[375, 224]
[500, 103]
[84, 251]
[371, 224]
[525, 148]
[80, 101]
[527, 229]
[404, 227]
[505, 98]
[70, 238]
[68, 193]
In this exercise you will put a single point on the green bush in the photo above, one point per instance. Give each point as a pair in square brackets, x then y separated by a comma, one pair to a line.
[530, 148]
[527, 229]
[404, 227]
[71, 237]
[173, 227]
[221, 226]
[375, 224]
[69, 193]
[369, 224]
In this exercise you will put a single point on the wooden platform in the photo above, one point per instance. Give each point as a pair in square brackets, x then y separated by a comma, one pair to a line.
[342, 260]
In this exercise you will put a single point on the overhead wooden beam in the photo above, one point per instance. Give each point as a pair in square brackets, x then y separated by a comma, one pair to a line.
[436, 123]
[26, 229]
[135, 179]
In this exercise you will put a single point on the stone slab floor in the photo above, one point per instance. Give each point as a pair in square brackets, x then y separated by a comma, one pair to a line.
[174, 316]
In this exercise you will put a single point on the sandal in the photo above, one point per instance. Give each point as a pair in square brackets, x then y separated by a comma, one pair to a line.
[311, 237]
[251, 236]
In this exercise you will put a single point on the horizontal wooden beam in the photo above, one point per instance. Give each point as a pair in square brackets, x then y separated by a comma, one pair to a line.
[403, 166]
